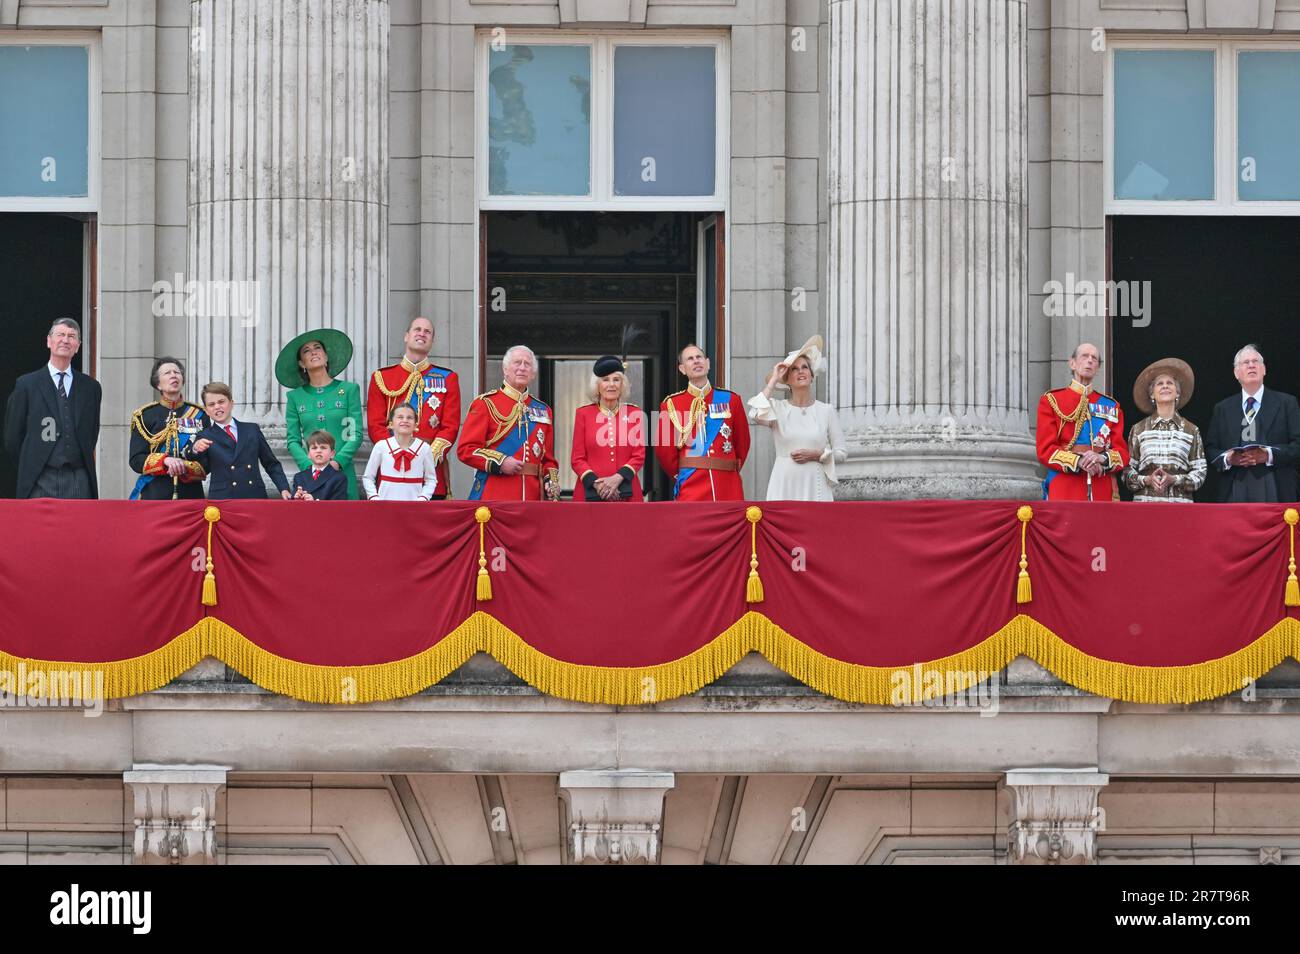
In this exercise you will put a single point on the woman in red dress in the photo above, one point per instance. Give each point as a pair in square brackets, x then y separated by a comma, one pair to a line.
[609, 438]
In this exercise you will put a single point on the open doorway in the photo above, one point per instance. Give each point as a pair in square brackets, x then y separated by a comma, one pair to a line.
[42, 269]
[577, 285]
[1217, 283]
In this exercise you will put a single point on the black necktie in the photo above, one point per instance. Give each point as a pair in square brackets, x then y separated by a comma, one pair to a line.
[62, 390]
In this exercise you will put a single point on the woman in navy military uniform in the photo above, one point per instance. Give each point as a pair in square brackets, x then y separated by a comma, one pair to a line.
[162, 439]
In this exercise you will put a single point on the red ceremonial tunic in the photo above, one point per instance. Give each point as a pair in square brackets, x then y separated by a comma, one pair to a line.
[501, 417]
[604, 445]
[435, 390]
[684, 421]
[1065, 420]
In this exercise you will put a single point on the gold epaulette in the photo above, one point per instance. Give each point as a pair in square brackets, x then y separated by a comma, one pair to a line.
[479, 397]
[673, 395]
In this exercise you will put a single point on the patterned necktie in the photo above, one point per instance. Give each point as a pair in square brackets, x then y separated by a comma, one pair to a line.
[315, 474]
[62, 390]
[231, 431]
[1250, 409]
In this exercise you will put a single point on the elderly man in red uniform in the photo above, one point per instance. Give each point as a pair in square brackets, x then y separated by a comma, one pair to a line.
[432, 392]
[703, 437]
[1081, 435]
[509, 437]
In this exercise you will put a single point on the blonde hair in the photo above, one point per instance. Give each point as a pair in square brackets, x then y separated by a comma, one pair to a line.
[593, 387]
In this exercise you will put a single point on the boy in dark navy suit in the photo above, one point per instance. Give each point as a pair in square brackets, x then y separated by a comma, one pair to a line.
[323, 480]
[230, 451]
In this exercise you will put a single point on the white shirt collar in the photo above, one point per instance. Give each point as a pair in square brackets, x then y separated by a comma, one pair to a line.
[1259, 396]
[54, 376]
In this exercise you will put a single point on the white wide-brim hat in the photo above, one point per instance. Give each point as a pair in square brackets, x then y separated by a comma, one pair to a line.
[812, 350]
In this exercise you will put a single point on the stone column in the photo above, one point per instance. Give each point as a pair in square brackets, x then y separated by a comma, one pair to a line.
[615, 815]
[288, 187]
[1056, 816]
[175, 813]
[926, 261]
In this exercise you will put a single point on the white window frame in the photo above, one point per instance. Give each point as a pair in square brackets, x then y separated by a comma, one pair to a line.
[602, 197]
[1226, 200]
[90, 201]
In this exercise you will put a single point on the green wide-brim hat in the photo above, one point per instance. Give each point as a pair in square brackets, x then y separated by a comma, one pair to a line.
[338, 347]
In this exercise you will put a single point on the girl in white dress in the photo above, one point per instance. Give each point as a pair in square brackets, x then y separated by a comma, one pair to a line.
[401, 467]
[807, 432]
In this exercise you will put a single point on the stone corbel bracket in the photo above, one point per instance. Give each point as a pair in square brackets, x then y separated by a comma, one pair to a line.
[615, 816]
[175, 813]
[1056, 816]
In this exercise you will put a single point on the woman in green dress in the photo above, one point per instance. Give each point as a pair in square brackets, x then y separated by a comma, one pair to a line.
[307, 365]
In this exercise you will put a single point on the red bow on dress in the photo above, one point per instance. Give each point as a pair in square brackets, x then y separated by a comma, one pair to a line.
[402, 459]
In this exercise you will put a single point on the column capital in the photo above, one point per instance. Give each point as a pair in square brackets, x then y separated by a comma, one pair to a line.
[175, 812]
[615, 815]
[1056, 816]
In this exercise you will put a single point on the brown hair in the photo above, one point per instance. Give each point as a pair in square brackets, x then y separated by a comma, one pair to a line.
[216, 387]
[321, 437]
[398, 407]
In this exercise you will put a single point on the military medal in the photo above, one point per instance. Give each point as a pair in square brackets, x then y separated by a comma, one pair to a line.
[434, 402]
[725, 430]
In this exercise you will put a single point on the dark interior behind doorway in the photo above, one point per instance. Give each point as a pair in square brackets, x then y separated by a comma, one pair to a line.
[1217, 283]
[40, 274]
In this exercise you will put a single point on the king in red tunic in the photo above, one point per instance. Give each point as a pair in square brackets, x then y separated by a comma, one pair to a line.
[509, 438]
[703, 437]
[432, 391]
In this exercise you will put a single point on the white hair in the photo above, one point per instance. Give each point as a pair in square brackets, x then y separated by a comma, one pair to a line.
[1236, 358]
[593, 387]
[505, 358]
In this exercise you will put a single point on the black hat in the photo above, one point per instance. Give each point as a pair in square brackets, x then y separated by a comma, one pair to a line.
[607, 365]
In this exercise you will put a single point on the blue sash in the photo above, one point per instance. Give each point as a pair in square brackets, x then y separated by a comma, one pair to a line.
[511, 443]
[704, 438]
[188, 427]
[1103, 411]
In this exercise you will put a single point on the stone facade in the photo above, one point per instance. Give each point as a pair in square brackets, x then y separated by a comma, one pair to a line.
[482, 769]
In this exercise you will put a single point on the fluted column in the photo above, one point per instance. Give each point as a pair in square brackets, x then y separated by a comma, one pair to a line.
[927, 283]
[288, 186]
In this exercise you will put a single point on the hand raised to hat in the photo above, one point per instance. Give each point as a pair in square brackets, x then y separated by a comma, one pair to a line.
[778, 371]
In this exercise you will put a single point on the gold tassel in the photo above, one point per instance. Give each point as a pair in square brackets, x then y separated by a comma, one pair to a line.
[211, 515]
[483, 589]
[1292, 585]
[753, 586]
[1024, 589]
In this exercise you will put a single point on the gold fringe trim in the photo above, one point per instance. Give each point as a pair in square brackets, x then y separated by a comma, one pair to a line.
[639, 685]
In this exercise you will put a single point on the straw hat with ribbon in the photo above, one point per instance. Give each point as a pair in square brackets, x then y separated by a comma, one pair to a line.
[338, 347]
[812, 349]
[1176, 368]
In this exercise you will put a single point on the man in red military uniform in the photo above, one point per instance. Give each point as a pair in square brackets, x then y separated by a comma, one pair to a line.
[433, 392]
[509, 437]
[703, 437]
[1081, 435]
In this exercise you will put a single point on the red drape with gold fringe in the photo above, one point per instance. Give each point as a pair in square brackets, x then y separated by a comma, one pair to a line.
[356, 601]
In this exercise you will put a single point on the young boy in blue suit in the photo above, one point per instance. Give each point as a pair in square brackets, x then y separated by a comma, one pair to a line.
[231, 451]
[322, 480]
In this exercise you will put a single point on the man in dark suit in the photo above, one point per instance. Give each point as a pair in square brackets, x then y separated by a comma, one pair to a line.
[52, 423]
[230, 451]
[1254, 438]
